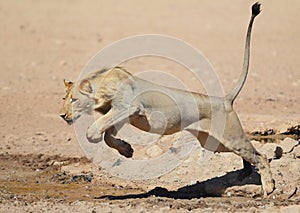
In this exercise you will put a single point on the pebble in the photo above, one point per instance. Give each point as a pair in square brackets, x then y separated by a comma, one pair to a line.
[40, 133]
[283, 128]
[77, 178]
[56, 163]
[278, 152]
[63, 63]
[288, 144]
[268, 149]
[154, 151]
[296, 151]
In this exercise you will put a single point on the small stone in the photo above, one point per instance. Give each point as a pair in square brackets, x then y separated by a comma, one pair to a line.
[296, 151]
[56, 163]
[268, 149]
[63, 63]
[82, 177]
[40, 133]
[193, 182]
[277, 191]
[285, 128]
[288, 144]
[89, 177]
[154, 151]
[278, 152]
[249, 190]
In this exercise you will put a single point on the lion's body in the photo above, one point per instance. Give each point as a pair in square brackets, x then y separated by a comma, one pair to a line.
[122, 97]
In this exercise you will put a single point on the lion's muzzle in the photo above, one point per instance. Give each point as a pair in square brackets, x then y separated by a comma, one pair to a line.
[65, 117]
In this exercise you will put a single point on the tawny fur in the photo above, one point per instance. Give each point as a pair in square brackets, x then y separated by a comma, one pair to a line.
[122, 97]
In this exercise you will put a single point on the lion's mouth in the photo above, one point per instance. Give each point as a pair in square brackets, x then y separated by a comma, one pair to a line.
[69, 121]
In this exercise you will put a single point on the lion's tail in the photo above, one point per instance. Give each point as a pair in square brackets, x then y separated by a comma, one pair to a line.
[235, 91]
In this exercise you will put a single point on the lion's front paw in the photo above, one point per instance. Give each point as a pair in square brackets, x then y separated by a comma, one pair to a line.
[125, 149]
[93, 134]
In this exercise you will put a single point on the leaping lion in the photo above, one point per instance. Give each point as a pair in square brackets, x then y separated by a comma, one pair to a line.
[120, 97]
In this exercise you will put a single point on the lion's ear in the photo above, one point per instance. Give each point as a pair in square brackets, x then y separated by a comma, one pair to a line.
[85, 87]
[68, 83]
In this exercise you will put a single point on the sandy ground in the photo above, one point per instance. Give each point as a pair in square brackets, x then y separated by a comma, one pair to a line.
[43, 42]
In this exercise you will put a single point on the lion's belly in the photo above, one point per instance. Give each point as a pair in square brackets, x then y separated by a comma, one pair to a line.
[158, 122]
[140, 122]
[165, 111]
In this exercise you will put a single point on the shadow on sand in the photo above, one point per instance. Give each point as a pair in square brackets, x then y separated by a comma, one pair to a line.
[213, 187]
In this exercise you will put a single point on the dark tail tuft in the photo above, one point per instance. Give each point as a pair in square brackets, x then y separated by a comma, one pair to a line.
[256, 9]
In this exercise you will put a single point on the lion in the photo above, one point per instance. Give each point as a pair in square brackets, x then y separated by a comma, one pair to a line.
[122, 97]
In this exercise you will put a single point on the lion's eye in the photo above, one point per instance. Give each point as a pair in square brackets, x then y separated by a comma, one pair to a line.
[64, 98]
[73, 100]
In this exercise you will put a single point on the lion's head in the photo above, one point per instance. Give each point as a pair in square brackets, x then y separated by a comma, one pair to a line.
[78, 100]
[95, 92]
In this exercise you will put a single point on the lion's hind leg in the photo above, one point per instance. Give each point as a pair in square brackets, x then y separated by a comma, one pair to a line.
[235, 140]
[250, 155]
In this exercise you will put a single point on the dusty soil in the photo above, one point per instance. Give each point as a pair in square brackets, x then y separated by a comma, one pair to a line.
[42, 167]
